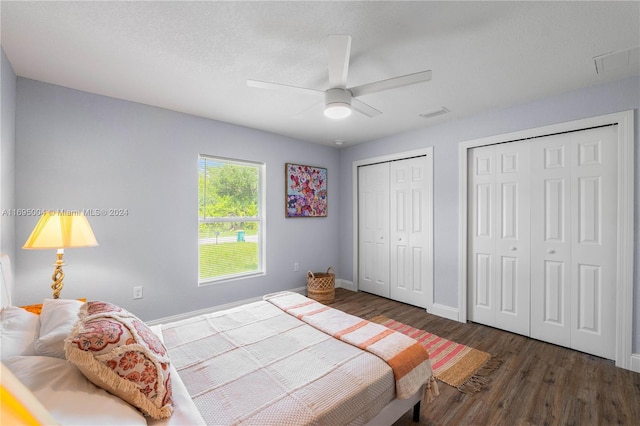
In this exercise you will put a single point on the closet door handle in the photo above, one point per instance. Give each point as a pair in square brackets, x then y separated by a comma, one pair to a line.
[514, 248]
[551, 251]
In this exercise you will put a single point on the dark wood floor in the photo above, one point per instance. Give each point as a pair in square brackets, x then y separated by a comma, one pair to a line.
[537, 384]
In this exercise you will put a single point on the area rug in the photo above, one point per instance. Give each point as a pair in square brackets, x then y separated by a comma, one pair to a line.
[465, 368]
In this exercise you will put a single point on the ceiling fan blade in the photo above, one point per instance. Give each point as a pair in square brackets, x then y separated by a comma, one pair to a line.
[363, 108]
[318, 105]
[391, 83]
[284, 87]
[339, 52]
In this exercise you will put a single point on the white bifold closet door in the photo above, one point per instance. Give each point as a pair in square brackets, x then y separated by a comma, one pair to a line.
[574, 240]
[500, 236]
[373, 232]
[394, 205]
[543, 238]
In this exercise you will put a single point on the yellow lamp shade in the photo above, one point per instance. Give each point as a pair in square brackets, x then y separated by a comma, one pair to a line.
[60, 230]
[65, 229]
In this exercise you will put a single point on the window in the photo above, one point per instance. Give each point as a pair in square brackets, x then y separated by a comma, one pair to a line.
[230, 217]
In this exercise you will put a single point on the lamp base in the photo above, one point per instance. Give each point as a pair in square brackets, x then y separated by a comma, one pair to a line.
[58, 275]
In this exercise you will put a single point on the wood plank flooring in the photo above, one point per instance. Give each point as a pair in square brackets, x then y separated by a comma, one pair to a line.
[537, 384]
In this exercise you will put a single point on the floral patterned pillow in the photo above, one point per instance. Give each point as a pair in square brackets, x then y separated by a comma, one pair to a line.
[119, 353]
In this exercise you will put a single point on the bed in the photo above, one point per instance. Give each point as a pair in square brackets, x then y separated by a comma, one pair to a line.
[283, 360]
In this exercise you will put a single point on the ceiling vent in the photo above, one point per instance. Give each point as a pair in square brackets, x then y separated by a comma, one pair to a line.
[434, 113]
[616, 60]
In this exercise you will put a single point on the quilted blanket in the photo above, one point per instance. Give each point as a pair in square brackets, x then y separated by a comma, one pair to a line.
[256, 364]
[408, 359]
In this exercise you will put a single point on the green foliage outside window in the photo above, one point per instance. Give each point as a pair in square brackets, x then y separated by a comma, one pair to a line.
[229, 218]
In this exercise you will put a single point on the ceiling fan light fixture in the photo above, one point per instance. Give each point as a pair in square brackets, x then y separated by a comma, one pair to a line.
[337, 110]
[337, 103]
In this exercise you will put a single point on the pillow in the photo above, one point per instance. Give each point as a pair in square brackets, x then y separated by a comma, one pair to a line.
[37, 308]
[119, 353]
[57, 318]
[69, 397]
[19, 330]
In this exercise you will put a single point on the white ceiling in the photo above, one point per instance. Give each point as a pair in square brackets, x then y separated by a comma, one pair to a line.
[195, 57]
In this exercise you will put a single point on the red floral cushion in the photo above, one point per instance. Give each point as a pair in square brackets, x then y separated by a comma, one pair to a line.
[119, 353]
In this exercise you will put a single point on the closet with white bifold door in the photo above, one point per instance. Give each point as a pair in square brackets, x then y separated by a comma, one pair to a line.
[395, 229]
[542, 238]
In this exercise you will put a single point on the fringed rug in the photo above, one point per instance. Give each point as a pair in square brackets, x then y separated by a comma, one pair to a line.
[457, 365]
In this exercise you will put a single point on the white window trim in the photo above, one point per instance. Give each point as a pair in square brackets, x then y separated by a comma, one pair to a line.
[262, 218]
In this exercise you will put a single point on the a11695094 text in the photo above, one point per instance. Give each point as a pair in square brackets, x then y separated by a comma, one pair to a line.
[86, 212]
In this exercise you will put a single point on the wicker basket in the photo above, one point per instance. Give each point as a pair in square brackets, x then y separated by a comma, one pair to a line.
[321, 286]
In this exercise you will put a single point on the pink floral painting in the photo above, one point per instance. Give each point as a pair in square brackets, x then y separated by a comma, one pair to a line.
[306, 191]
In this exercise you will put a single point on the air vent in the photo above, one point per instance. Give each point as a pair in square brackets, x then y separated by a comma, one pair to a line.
[617, 60]
[434, 113]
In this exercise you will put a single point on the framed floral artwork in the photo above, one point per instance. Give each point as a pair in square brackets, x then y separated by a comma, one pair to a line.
[305, 191]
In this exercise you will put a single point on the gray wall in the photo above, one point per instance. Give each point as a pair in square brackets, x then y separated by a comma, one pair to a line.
[7, 155]
[76, 150]
[597, 100]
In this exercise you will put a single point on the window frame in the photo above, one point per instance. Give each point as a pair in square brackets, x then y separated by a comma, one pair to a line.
[260, 219]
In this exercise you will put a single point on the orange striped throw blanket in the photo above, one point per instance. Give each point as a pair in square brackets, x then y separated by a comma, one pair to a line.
[408, 359]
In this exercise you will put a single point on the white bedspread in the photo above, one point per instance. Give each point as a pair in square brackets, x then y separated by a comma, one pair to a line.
[258, 365]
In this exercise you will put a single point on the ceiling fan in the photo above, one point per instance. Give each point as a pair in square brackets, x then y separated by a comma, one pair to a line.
[338, 99]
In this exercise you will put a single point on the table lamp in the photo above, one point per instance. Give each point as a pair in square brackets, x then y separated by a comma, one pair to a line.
[60, 230]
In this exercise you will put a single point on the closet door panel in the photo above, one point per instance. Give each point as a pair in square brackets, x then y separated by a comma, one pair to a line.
[594, 243]
[482, 271]
[373, 223]
[499, 236]
[574, 240]
[551, 239]
[512, 239]
[409, 233]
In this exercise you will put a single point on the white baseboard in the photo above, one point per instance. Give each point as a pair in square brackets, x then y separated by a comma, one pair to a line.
[439, 310]
[349, 285]
[635, 363]
[301, 290]
[445, 311]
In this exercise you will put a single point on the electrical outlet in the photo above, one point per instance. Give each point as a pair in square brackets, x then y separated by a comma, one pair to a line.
[137, 292]
[296, 266]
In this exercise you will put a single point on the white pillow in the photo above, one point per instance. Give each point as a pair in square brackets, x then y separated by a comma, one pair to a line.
[69, 397]
[19, 330]
[57, 319]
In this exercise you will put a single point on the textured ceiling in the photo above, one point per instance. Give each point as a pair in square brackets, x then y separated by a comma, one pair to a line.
[195, 57]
